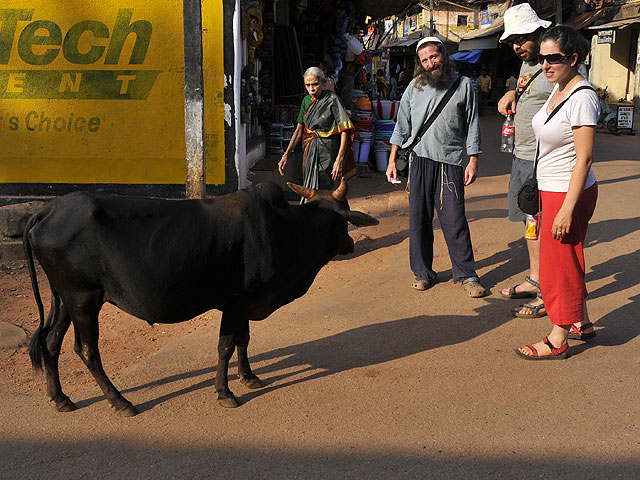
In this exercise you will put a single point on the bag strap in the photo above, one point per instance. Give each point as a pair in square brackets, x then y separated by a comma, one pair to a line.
[559, 106]
[431, 118]
[521, 90]
[555, 110]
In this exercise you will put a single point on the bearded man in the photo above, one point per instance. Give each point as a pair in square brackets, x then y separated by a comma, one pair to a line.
[436, 175]
[522, 31]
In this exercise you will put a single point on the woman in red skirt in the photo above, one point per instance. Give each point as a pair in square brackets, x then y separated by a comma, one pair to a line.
[568, 191]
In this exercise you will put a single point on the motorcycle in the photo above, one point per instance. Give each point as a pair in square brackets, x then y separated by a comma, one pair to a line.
[607, 119]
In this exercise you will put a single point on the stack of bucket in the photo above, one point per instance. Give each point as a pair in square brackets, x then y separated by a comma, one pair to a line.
[363, 119]
[386, 112]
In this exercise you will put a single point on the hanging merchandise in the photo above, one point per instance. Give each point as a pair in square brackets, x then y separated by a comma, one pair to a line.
[252, 27]
[250, 100]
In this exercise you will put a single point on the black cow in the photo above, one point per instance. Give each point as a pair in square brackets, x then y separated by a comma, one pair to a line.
[165, 261]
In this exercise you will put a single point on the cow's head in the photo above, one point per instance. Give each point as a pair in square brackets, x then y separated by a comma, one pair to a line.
[337, 201]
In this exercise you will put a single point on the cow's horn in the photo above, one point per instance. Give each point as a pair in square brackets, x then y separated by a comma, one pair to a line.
[340, 193]
[304, 192]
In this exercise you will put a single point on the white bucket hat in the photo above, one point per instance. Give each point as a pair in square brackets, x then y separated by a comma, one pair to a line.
[426, 40]
[520, 20]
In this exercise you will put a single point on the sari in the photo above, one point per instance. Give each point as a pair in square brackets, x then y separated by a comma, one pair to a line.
[324, 121]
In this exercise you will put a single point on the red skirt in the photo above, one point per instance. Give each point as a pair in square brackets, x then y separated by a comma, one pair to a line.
[562, 271]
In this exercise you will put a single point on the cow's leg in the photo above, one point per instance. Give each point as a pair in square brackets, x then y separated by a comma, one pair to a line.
[59, 320]
[85, 323]
[241, 339]
[226, 347]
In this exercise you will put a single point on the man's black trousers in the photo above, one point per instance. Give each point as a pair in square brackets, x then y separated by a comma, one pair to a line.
[439, 186]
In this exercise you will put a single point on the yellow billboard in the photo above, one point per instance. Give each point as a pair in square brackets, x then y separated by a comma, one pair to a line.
[93, 92]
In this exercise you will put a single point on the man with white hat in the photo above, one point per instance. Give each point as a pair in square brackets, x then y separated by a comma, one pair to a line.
[436, 175]
[522, 30]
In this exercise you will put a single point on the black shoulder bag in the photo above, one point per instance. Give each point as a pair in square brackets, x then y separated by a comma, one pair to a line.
[402, 156]
[529, 196]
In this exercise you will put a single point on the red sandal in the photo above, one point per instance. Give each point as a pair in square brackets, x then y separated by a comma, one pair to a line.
[556, 353]
[577, 333]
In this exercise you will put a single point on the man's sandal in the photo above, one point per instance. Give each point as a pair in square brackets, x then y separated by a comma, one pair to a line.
[514, 295]
[535, 310]
[577, 333]
[556, 353]
[423, 284]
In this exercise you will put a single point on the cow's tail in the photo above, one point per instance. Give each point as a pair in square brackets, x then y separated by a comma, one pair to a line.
[38, 338]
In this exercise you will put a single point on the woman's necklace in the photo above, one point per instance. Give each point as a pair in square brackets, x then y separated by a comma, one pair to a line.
[559, 96]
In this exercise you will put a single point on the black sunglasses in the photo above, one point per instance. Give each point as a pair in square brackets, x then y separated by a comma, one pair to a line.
[553, 58]
[518, 40]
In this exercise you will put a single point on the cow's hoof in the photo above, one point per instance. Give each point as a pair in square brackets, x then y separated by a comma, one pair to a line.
[65, 405]
[252, 382]
[127, 410]
[229, 402]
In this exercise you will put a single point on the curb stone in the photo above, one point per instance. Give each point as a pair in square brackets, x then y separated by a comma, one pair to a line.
[11, 337]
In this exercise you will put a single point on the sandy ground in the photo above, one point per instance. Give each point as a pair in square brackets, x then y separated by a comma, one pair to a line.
[366, 378]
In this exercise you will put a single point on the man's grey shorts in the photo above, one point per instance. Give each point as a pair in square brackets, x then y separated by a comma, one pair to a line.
[521, 171]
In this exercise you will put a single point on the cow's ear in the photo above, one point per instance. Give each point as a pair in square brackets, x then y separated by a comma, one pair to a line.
[360, 219]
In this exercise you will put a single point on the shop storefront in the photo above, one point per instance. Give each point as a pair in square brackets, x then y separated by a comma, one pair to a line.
[280, 40]
[92, 97]
[614, 59]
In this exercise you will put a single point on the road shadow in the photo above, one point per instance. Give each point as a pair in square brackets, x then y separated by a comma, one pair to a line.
[609, 230]
[616, 328]
[504, 264]
[619, 326]
[619, 179]
[134, 458]
[368, 244]
[472, 215]
[623, 268]
[482, 198]
[509, 262]
[364, 346]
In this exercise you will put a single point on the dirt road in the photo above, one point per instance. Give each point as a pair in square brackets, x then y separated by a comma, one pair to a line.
[366, 378]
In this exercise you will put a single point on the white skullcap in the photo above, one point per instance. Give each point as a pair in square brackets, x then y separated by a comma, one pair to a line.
[427, 40]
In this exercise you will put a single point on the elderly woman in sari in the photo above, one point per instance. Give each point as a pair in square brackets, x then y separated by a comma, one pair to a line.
[326, 132]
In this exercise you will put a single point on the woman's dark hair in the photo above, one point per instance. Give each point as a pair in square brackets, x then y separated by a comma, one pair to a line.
[569, 40]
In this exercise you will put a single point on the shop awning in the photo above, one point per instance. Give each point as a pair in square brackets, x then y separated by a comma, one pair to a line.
[617, 24]
[388, 42]
[483, 38]
[483, 43]
[468, 57]
[584, 19]
[376, 8]
[410, 40]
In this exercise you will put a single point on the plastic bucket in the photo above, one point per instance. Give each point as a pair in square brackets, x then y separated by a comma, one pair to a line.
[386, 109]
[382, 150]
[363, 154]
[356, 148]
[382, 159]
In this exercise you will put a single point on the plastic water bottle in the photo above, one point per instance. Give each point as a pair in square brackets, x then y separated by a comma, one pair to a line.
[508, 134]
